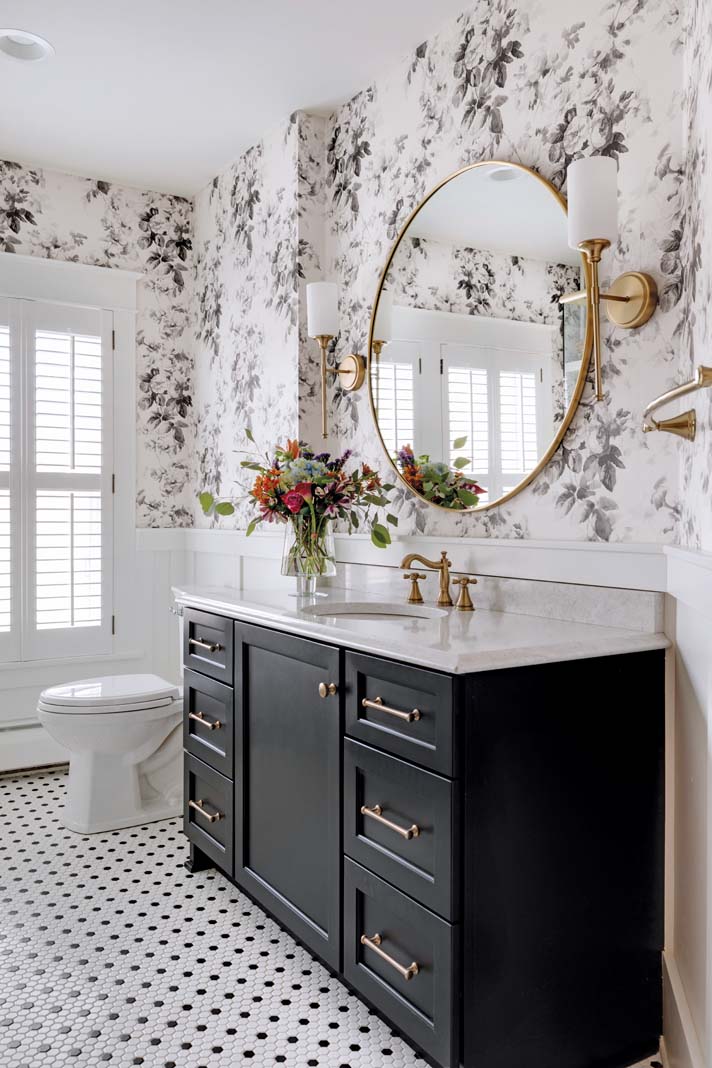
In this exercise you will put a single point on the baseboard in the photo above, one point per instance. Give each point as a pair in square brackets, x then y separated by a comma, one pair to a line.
[29, 747]
[680, 1045]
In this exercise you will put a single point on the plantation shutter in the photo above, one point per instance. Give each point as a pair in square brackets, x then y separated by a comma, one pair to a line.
[55, 480]
[9, 621]
[468, 408]
[395, 401]
[519, 450]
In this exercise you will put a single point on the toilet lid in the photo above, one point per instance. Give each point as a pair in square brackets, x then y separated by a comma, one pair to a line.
[113, 693]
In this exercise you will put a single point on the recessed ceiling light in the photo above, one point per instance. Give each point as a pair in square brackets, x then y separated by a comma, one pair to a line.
[29, 47]
[503, 174]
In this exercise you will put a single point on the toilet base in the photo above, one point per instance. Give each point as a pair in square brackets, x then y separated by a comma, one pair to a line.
[152, 813]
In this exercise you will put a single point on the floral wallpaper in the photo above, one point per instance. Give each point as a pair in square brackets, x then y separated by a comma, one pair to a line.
[59, 216]
[247, 271]
[540, 85]
[691, 245]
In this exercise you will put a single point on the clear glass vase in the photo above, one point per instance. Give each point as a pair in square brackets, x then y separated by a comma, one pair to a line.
[309, 552]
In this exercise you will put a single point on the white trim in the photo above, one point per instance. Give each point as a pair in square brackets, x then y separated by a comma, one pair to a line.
[66, 282]
[444, 327]
[689, 578]
[681, 1044]
[29, 747]
[624, 565]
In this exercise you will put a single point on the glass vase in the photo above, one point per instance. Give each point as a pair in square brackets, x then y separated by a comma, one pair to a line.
[309, 552]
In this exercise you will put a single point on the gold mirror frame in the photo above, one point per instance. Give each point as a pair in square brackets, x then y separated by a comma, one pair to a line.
[585, 354]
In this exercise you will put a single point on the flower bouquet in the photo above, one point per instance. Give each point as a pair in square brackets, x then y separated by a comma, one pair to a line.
[309, 491]
[437, 482]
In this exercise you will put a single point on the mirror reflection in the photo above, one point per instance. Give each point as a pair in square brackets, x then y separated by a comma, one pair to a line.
[474, 364]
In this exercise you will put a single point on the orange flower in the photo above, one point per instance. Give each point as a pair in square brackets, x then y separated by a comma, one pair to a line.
[264, 487]
[292, 449]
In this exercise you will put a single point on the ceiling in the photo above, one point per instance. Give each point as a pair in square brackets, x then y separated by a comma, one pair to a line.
[518, 217]
[163, 94]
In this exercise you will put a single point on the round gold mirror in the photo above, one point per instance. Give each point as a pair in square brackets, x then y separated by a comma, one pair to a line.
[475, 368]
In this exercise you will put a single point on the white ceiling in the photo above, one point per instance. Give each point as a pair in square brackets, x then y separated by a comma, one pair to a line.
[163, 94]
[520, 217]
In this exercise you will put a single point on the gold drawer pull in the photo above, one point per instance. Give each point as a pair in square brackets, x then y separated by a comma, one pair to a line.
[212, 725]
[374, 943]
[377, 702]
[211, 817]
[327, 689]
[211, 647]
[376, 813]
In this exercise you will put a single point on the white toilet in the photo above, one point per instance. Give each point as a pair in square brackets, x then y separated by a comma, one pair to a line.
[124, 736]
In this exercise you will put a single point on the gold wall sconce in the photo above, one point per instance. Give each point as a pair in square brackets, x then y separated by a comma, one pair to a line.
[592, 185]
[323, 326]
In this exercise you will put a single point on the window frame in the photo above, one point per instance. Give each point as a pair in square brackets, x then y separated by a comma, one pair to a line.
[113, 292]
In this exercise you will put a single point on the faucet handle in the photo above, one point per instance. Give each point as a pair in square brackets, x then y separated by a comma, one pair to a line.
[415, 596]
[464, 601]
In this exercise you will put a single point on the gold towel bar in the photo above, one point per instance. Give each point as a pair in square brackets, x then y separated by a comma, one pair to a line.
[685, 424]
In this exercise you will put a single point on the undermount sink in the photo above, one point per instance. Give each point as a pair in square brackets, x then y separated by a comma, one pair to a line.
[372, 610]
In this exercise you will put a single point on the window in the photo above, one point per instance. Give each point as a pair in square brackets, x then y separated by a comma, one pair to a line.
[500, 402]
[394, 396]
[55, 480]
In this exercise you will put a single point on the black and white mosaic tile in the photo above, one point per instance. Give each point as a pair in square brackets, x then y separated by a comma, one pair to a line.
[110, 952]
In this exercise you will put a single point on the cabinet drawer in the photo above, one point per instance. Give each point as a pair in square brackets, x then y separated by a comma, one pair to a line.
[208, 815]
[416, 854]
[207, 644]
[409, 711]
[208, 721]
[424, 1007]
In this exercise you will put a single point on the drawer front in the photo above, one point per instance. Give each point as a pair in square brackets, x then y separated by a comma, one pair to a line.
[207, 644]
[416, 854]
[208, 721]
[208, 820]
[409, 711]
[424, 1007]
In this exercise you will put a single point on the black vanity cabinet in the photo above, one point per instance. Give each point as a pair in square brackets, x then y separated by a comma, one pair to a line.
[287, 747]
[479, 857]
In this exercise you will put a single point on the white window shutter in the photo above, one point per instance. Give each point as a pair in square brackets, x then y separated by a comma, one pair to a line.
[394, 389]
[67, 483]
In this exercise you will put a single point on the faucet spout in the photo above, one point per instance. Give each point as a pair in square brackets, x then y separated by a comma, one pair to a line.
[442, 565]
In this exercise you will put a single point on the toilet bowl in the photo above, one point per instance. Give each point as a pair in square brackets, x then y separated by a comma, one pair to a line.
[123, 733]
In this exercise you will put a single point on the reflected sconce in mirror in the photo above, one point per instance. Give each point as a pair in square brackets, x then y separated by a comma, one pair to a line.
[632, 298]
[323, 326]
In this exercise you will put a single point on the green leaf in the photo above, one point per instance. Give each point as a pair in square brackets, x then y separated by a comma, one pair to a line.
[459, 443]
[392, 519]
[378, 540]
[251, 464]
[469, 499]
[249, 435]
[461, 462]
[225, 508]
[251, 526]
[388, 487]
[381, 533]
[206, 501]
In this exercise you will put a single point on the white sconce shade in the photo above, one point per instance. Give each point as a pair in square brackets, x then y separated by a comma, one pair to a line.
[383, 329]
[322, 309]
[592, 185]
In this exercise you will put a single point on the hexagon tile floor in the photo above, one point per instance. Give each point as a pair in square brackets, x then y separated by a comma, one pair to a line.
[111, 952]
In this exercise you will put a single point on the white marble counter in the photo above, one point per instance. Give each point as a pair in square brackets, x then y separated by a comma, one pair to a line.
[457, 642]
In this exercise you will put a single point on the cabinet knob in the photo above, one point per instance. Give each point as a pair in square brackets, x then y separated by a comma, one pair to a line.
[327, 689]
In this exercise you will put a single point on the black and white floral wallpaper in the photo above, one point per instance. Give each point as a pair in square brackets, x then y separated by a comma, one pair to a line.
[58, 216]
[691, 246]
[222, 339]
[539, 84]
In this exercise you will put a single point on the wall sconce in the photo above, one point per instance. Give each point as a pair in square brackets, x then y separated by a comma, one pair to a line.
[323, 326]
[593, 227]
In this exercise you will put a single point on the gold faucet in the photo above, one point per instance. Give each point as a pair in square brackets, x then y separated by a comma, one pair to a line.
[443, 566]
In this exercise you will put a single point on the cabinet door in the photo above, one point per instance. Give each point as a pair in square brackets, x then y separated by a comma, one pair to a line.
[287, 792]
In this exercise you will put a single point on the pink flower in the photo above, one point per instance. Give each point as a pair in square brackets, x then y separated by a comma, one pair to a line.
[294, 500]
[305, 489]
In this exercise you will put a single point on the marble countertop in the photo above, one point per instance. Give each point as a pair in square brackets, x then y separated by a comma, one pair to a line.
[442, 639]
